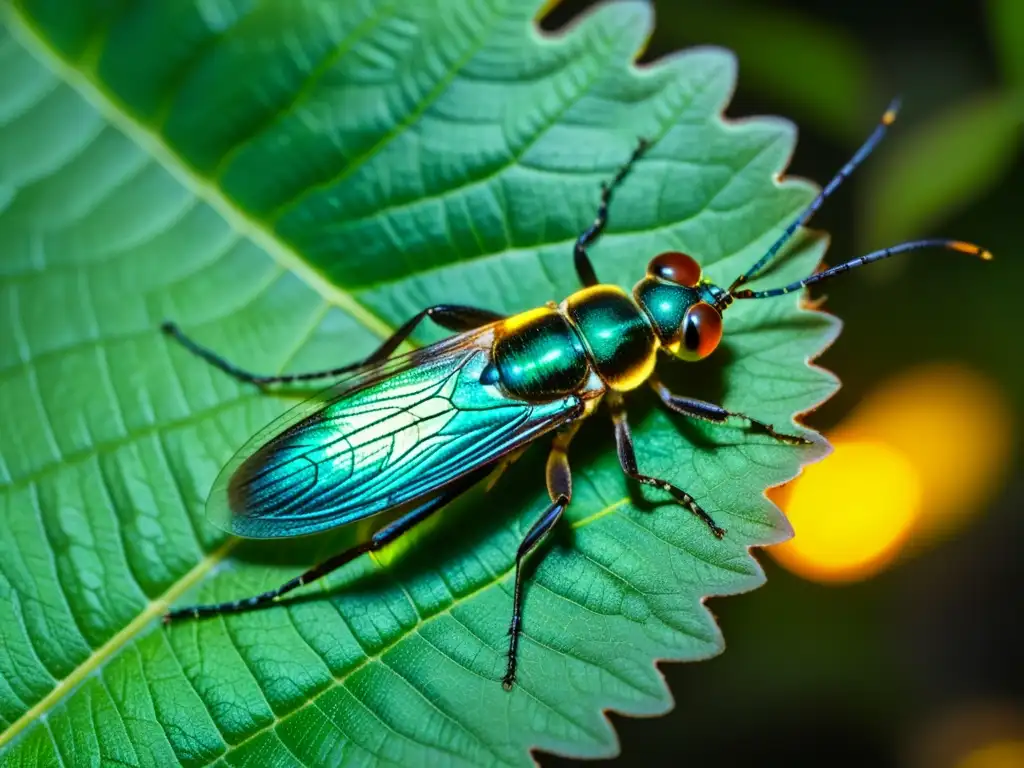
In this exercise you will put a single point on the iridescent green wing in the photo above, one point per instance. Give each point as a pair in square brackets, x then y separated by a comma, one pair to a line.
[388, 435]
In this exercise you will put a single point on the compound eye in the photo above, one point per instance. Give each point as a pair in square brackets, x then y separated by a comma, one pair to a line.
[675, 267]
[702, 331]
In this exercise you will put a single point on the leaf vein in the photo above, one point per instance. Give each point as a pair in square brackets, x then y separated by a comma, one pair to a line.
[369, 658]
[339, 50]
[408, 680]
[259, 232]
[413, 115]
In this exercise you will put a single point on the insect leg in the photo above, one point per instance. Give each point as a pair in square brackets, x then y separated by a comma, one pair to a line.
[559, 480]
[378, 541]
[453, 317]
[627, 459]
[584, 269]
[699, 409]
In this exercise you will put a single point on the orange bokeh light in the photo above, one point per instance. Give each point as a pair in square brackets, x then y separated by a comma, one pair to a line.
[999, 754]
[913, 462]
[852, 513]
[953, 424]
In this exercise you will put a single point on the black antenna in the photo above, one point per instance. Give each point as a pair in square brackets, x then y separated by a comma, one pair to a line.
[860, 261]
[865, 150]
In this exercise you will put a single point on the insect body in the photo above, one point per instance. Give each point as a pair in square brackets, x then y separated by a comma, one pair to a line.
[410, 433]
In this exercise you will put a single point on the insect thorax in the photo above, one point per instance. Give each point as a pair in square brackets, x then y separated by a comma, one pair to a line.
[538, 355]
[619, 339]
[545, 352]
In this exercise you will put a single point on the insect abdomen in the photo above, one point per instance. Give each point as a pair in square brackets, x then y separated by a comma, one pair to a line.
[539, 356]
[620, 341]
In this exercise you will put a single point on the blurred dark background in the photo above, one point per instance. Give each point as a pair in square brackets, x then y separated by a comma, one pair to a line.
[893, 635]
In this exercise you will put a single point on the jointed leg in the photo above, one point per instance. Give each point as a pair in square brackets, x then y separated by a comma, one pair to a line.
[559, 480]
[627, 458]
[378, 541]
[584, 269]
[454, 317]
[699, 409]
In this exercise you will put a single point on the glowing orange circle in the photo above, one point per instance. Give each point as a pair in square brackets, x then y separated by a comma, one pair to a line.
[852, 513]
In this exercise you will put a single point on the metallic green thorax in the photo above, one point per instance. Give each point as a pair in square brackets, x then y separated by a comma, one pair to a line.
[546, 353]
[538, 355]
[619, 339]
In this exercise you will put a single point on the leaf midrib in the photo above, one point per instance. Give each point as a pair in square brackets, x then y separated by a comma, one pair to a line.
[240, 220]
[153, 609]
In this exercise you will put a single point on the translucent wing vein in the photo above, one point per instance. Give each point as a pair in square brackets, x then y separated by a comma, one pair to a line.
[382, 438]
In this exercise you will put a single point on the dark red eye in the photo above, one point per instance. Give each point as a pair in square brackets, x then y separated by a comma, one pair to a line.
[675, 267]
[702, 331]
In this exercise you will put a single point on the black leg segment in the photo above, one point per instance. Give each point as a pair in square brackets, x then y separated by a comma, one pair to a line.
[378, 541]
[453, 317]
[559, 480]
[584, 269]
[699, 409]
[627, 459]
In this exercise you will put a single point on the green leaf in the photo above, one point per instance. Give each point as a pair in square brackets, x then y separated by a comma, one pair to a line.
[1006, 25]
[931, 171]
[289, 181]
[815, 69]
